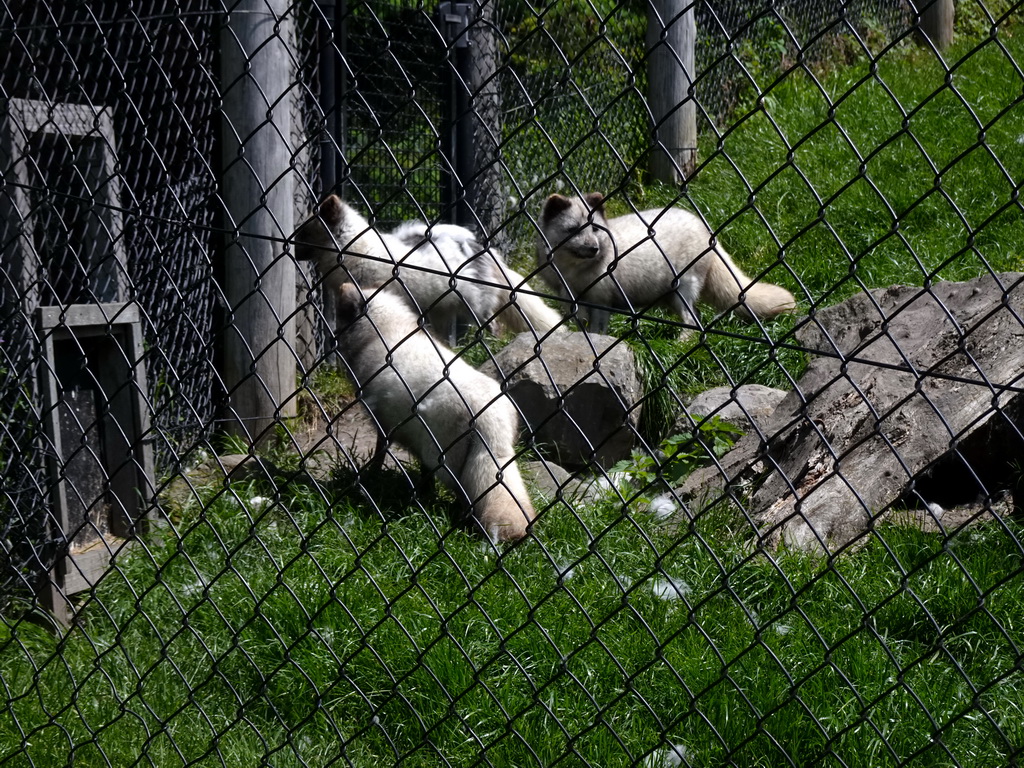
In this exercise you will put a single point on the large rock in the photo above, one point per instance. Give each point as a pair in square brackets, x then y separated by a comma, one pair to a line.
[743, 406]
[348, 441]
[913, 400]
[578, 394]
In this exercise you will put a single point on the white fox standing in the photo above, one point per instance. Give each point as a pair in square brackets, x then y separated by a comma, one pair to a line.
[454, 419]
[657, 257]
[442, 270]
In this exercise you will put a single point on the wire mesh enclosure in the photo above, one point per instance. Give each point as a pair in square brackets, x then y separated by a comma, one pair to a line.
[598, 382]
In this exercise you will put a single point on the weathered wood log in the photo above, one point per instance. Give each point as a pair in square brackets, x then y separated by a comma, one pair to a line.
[258, 82]
[914, 400]
[936, 23]
[671, 42]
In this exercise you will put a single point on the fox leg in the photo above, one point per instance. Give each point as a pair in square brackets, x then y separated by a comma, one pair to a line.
[686, 310]
[594, 320]
[380, 450]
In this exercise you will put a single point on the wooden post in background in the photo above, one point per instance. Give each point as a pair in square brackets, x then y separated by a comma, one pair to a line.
[485, 187]
[471, 134]
[671, 64]
[257, 78]
[936, 21]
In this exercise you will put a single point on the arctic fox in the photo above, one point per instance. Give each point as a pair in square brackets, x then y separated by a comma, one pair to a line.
[442, 270]
[453, 418]
[657, 257]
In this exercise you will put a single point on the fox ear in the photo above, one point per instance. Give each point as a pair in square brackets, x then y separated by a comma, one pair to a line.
[554, 205]
[596, 201]
[351, 304]
[332, 211]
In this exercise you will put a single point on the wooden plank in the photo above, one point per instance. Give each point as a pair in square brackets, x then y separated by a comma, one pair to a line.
[16, 209]
[78, 315]
[96, 351]
[84, 567]
[146, 489]
[53, 588]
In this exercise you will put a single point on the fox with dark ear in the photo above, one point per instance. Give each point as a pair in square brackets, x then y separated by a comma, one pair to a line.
[453, 418]
[663, 257]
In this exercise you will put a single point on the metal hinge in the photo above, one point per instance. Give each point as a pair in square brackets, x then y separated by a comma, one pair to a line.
[455, 19]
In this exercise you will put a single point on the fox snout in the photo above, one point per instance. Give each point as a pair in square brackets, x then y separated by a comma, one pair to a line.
[586, 250]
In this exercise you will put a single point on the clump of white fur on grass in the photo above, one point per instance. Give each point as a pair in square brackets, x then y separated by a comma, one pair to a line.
[670, 589]
[668, 756]
[663, 506]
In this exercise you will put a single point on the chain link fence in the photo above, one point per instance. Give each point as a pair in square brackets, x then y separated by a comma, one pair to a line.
[641, 501]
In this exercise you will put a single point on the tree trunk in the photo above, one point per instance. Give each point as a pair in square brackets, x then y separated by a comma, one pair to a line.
[936, 21]
[485, 193]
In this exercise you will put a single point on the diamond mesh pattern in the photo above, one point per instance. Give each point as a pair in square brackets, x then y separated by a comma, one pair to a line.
[330, 439]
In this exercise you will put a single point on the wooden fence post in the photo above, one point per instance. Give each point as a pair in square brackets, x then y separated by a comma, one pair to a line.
[936, 21]
[471, 134]
[485, 191]
[257, 77]
[671, 64]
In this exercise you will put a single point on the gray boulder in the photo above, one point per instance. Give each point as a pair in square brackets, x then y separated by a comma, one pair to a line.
[912, 400]
[743, 407]
[578, 394]
[348, 441]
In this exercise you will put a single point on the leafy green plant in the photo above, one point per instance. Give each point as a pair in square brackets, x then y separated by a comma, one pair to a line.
[679, 454]
[229, 443]
[974, 18]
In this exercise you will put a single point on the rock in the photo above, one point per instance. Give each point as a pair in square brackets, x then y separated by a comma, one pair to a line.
[913, 400]
[348, 441]
[742, 407]
[578, 395]
[932, 518]
[237, 467]
[546, 478]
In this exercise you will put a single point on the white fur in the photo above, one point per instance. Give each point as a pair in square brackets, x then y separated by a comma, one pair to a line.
[657, 257]
[442, 270]
[453, 418]
[524, 312]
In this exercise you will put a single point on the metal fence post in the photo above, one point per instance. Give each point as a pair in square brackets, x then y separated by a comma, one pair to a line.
[457, 141]
[472, 130]
[671, 40]
[257, 75]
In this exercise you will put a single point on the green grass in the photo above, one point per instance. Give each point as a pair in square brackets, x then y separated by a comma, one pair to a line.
[881, 174]
[309, 629]
[876, 174]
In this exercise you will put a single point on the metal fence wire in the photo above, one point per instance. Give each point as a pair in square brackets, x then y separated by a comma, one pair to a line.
[598, 382]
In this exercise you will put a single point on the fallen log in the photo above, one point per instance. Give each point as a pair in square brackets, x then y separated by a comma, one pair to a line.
[912, 399]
